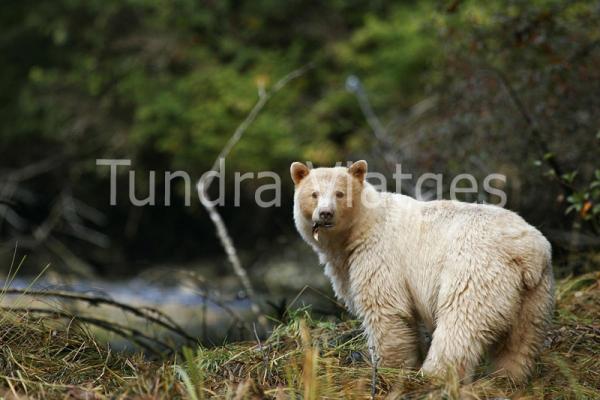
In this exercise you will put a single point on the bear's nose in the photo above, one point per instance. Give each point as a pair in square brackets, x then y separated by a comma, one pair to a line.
[326, 215]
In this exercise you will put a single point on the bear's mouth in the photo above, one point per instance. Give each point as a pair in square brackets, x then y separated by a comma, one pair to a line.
[317, 226]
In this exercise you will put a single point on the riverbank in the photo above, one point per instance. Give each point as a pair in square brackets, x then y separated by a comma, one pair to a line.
[302, 358]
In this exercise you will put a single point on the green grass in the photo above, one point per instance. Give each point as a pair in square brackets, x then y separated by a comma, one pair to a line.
[302, 359]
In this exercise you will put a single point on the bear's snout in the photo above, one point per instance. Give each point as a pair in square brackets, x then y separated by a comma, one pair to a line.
[326, 215]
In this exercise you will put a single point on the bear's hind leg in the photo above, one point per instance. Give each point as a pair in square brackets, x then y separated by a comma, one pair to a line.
[472, 313]
[453, 347]
[516, 356]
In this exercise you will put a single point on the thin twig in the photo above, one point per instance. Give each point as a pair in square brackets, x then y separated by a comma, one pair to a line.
[33, 170]
[264, 353]
[374, 362]
[204, 184]
[536, 135]
[263, 98]
[95, 300]
[384, 145]
[204, 293]
[124, 331]
[354, 85]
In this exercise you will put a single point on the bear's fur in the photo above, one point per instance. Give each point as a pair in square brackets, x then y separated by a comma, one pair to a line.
[477, 277]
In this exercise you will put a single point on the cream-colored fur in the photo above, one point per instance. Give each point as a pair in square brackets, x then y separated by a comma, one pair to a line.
[478, 277]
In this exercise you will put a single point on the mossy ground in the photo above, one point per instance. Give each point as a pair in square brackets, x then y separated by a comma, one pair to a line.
[302, 359]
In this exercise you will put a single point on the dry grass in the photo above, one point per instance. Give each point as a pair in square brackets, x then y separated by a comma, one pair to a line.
[43, 358]
[303, 359]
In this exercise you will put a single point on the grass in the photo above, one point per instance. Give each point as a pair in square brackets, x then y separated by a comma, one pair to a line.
[302, 359]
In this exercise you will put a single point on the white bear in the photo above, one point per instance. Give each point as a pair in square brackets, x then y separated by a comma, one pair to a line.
[477, 277]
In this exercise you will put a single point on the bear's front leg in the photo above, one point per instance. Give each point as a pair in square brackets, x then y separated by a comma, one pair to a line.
[394, 340]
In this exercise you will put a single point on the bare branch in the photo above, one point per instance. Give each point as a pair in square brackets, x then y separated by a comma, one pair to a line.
[204, 184]
[384, 145]
[127, 332]
[33, 170]
[534, 130]
[263, 98]
[145, 313]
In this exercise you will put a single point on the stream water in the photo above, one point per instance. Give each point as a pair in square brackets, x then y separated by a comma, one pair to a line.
[210, 318]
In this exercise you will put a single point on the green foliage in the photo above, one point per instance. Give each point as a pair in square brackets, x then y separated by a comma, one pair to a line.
[166, 83]
[175, 78]
[587, 201]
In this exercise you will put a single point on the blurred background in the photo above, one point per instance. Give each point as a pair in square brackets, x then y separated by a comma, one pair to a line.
[453, 87]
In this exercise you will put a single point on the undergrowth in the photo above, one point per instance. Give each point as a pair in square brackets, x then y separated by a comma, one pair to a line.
[302, 359]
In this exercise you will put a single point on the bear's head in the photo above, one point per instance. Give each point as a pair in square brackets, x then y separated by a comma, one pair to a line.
[326, 200]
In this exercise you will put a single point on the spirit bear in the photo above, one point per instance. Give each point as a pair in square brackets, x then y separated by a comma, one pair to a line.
[477, 277]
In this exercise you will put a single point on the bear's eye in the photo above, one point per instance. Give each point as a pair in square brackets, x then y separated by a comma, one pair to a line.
[339, 195]
[315, 195]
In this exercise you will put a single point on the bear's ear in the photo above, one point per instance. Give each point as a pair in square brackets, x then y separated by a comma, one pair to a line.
[298, 171]
[358, 170]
